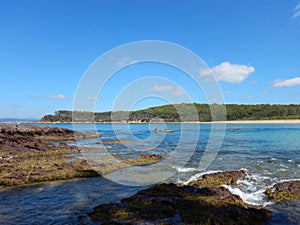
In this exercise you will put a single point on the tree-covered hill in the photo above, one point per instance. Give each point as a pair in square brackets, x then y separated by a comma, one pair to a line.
[182, 113]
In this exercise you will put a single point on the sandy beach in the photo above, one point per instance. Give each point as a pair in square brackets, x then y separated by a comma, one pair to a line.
[260, 122]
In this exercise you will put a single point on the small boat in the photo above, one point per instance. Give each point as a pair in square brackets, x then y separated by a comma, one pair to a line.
[167, 131]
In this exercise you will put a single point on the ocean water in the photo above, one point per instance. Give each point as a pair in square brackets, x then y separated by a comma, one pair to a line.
[269, 153]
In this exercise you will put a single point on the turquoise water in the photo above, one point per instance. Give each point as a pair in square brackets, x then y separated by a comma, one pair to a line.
[270, 153]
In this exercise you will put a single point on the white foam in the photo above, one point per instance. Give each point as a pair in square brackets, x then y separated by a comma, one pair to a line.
[185, 169]
[284, 180]
[254, 198]
[251, 189]
[198, 175]
[284, 166]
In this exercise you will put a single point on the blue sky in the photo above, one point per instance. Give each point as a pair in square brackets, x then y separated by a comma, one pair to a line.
[251, 46]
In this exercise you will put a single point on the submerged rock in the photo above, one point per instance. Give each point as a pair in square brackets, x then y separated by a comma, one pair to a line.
[283, 191]
[120, 142]
[151, 157]
[177, 204]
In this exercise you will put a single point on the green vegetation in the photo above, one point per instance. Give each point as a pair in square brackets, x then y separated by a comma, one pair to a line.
[183, 113]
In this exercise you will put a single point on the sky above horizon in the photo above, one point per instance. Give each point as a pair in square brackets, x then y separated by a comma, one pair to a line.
[251, 47]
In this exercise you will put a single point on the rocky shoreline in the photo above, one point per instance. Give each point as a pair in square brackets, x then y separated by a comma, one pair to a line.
[31, 154]
[202, 201]
[28, 155]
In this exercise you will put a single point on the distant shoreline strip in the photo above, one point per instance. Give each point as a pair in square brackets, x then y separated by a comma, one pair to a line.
[288, 121]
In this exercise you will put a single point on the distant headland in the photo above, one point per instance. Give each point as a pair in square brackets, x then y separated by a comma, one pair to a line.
[184, 112]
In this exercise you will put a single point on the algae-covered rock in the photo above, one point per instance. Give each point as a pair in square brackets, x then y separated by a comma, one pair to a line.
[151, 157]
[219, 178]
[45, 132]
[27, 156]
[120, 142]
[284, 191]
[20, 139]
[175, 204]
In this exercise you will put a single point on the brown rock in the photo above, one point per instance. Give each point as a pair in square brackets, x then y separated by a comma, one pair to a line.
[218, 178]
[20, 139]
[202, 201]
[173, 204]
[283, 191]
[151, 156]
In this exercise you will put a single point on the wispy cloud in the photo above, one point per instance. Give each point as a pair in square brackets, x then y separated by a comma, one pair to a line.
[51, 96]
[265, 92]
[59, 96]
[126, 61]
[227, 72]
[93, 98]
[178, 92]
[296, 11]
[287, 83]
[174, 90]
[162, 88]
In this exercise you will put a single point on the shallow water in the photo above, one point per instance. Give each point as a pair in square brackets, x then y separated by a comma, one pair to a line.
[65, 202]
[270, 153]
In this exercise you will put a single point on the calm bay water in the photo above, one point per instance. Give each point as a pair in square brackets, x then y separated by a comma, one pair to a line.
[270, 153]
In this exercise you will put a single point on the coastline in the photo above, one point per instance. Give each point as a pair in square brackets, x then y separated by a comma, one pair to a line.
[287, 121]
[297, 121]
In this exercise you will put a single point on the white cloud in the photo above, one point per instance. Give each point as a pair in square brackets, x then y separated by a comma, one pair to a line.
[178, 92]
[227, 72]
[297, 14]
[297, 11]
[287, 83]
[162, 88]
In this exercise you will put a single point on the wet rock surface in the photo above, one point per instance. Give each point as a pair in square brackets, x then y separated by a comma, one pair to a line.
[20, 139]
[27, 156]
[183, 204]
[218, 178]
[120, 142]
[45, 132]
[150, 157]
[284, 191]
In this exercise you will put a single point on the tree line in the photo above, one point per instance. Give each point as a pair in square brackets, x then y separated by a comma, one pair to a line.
[182, 113]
